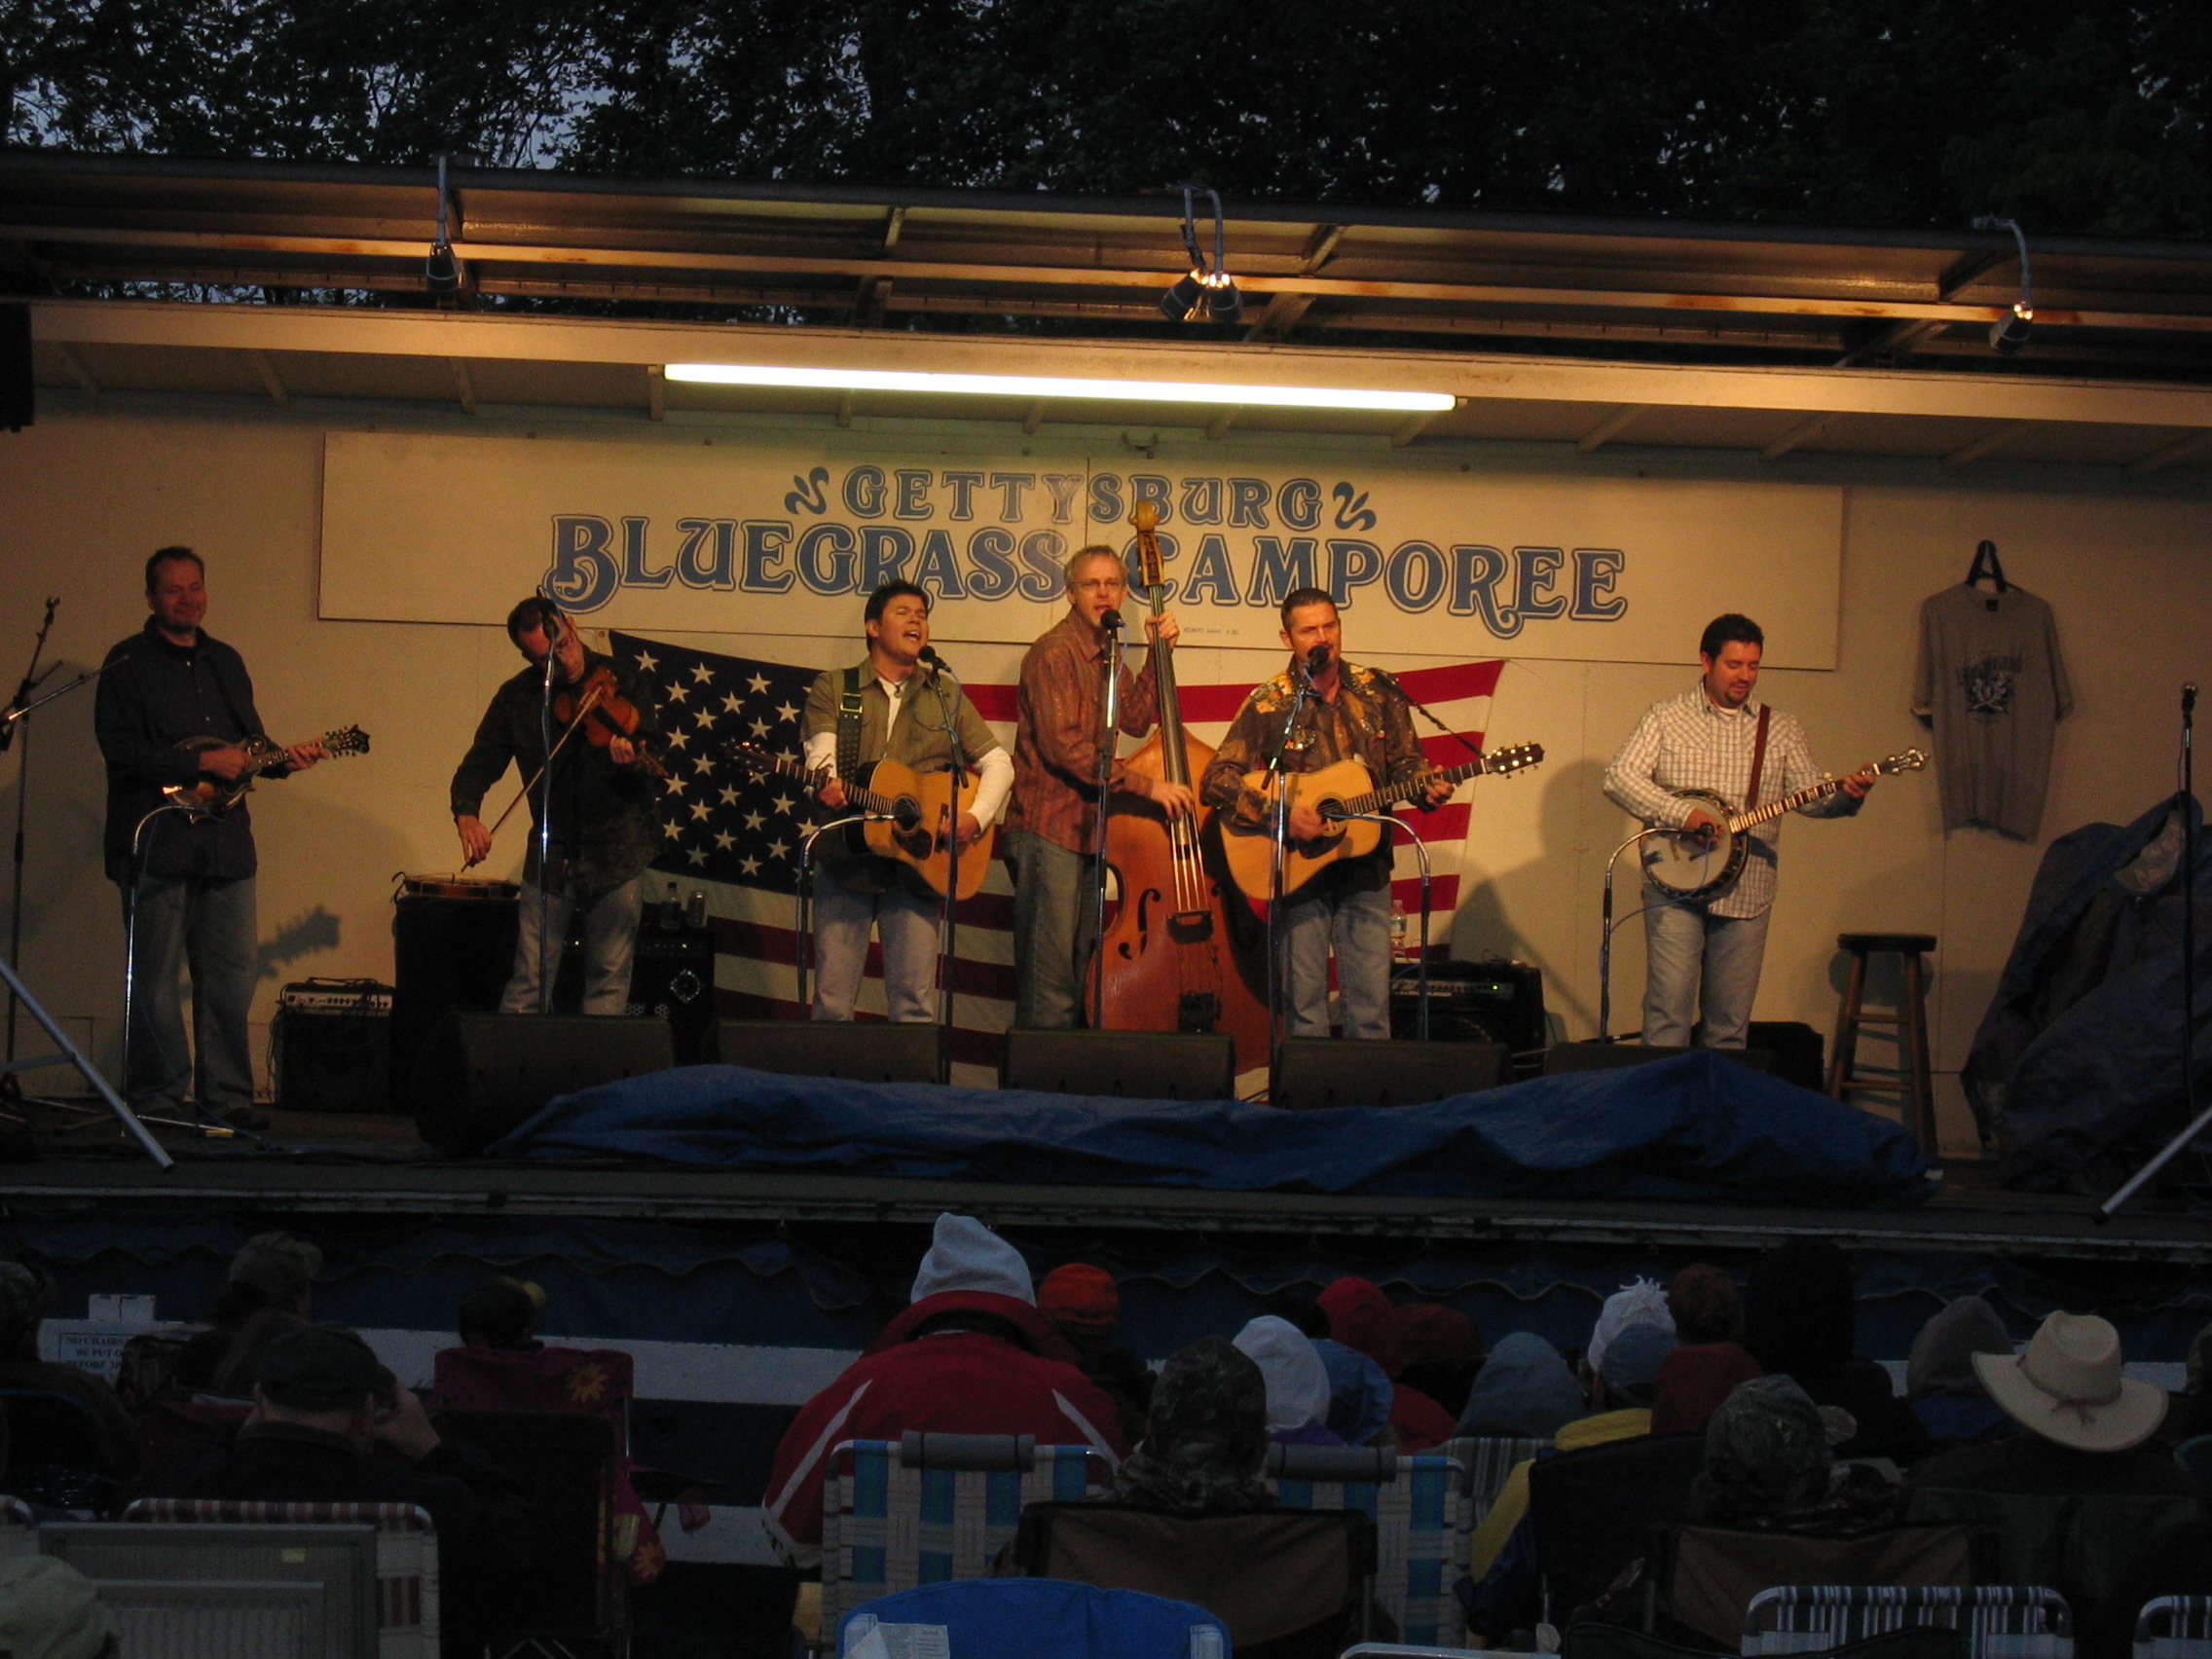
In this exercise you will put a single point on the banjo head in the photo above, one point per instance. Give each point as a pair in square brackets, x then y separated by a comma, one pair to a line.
[1688, 866]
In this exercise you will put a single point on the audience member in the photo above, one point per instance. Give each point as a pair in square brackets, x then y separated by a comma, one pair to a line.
[329, 1425]
[24, 1296]
[1297, 1381]
[1941, 1382]
[1693, 1380]
[1297, 1309]
[1801, 1320]
[1086, 1306]
[1524, 1392]
[1440, 1349]
[1704, 1305]
[1359, 1395]
[970, 1356]
[2192, 1413]
[1205, 1438]
[1770, 1465]
[1640, 1302]
[49, 1609]
[500, 1314]
[270, 1291]
[1361, 1317]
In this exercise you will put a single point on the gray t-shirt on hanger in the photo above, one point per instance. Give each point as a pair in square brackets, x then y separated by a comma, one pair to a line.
[1993, 686]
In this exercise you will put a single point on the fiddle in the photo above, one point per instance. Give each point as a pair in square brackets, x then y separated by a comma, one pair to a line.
[606, 713]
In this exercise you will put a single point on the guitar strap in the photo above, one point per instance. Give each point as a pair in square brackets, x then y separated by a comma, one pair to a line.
[849, 728]
[1759, 756]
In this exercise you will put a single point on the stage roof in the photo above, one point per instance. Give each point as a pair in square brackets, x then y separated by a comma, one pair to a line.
[301, 282]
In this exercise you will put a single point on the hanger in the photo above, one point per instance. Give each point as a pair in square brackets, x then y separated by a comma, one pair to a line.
[1987, 563]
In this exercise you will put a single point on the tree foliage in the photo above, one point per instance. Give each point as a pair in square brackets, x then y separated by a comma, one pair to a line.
[1898, 113]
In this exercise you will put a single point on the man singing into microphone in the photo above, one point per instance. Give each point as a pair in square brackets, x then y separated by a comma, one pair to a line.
[1354, 713]
[891, 707]
[1051, 828]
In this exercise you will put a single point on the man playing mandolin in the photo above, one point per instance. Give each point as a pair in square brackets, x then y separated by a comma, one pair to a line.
[1354, 713]
[1720, 739]
[167, 694]
[890, 707]
[605, 827]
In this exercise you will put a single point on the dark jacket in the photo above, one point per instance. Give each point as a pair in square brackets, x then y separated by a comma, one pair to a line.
[152, 696]
[118, 1433]
[605, 827]
[491, 1543]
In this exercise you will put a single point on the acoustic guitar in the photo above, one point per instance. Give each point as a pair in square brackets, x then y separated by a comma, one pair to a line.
[1686, 866]
[1346, 787]
[211, 797]
[916, 811]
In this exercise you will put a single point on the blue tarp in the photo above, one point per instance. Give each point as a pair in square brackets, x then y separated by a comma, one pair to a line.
[1694, 1127]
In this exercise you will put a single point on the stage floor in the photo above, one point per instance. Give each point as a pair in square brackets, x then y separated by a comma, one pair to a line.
[362, 1165]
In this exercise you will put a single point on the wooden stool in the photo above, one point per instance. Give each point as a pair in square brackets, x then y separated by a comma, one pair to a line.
[1911, 1022]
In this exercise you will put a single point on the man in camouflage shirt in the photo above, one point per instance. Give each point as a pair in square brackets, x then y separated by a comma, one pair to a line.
[1357, 714]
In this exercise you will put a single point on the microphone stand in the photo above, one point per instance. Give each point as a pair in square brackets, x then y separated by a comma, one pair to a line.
[802, 953]
[1278, 853]
[2185, 803]
[555, 628]
[1111, 709]
[1392, 822]
[948, 932]
[1606, 935]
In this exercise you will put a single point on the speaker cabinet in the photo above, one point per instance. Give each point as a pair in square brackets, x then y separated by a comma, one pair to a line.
[1327, 1071]
[1472, 1002]
[1800, 1053]
[1618, 1057]
[18, 397]
[1130, 1065]
[859, 1051]
[449, 956]
[480, 1074]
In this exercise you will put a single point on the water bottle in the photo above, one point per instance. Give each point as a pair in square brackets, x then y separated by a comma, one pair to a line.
[670, 910]
[695, 913]
[1401, 949]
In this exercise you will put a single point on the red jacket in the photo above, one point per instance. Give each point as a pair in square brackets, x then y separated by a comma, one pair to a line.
[1422, 1423]
[958, 1383]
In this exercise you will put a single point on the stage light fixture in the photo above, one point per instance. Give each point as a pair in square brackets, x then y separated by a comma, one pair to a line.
[441, 272]
[1209, 285]
[2010, 332]
[1216, 392]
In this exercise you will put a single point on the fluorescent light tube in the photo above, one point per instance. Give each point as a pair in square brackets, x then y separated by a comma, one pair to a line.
[1056, 385]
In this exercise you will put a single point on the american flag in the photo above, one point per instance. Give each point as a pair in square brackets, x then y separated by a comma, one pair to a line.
[736, 835]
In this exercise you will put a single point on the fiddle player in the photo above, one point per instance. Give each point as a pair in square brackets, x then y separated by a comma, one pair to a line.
[1716, 736]
[167, 682]
[1354, 713]
[1051, 826]
[604, 823]
[890, 706]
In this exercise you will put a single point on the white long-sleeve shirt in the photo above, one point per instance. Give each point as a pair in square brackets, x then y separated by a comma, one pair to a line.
[1690, 742]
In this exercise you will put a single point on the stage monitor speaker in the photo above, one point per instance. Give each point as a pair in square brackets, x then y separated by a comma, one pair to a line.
[449, 956]
[480, 1074]
[1129, 1065]
[19, 394]
[1800, 1053]
[1472, 1002]
[859, 1051]
[1618, 1057]
[1325, 1071]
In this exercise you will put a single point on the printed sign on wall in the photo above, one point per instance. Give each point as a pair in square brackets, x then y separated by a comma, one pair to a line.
[784, 536]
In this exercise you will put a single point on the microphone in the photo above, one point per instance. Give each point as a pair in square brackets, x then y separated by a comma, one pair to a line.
[1316, 660]
[2189, 696]
[905, 814]
[1110, 621]
[935, 663]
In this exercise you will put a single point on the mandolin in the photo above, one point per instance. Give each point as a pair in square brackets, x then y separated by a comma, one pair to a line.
[916, 808]
[1688, 866]
[1346, 787]
[211, 797]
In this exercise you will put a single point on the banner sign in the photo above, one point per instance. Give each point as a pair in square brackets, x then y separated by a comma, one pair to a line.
[784, 536]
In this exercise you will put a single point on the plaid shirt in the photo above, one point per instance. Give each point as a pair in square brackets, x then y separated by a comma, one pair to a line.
[1055, 743]
[1691, 743]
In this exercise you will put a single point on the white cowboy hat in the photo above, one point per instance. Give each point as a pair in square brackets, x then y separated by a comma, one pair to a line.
[2067, 1388]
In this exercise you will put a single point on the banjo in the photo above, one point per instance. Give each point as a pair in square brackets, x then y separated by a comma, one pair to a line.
[1688, 866]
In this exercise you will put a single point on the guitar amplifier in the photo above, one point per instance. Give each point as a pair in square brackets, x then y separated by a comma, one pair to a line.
[330, 1046]
[1472, 1002]
[672, 976]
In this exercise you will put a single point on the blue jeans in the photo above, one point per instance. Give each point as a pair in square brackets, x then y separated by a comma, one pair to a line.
[611, 940]
[908, 927]
[1055, 929]
[1687, 950]
[207, 928]
[1356, 923]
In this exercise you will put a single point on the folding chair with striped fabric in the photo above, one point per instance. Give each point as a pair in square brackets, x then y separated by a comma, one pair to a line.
[2174, 1627]
[2001, 1621]
[407, 1555]
[933, 1507]
[1415, 1503]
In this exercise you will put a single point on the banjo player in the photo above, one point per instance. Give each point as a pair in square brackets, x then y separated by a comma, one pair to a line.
[1690, 762]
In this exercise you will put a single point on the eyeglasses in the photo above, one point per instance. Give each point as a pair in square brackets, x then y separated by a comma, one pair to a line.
[1103, 584]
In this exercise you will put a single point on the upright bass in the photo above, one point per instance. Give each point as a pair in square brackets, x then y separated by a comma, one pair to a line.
[1184, 953]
